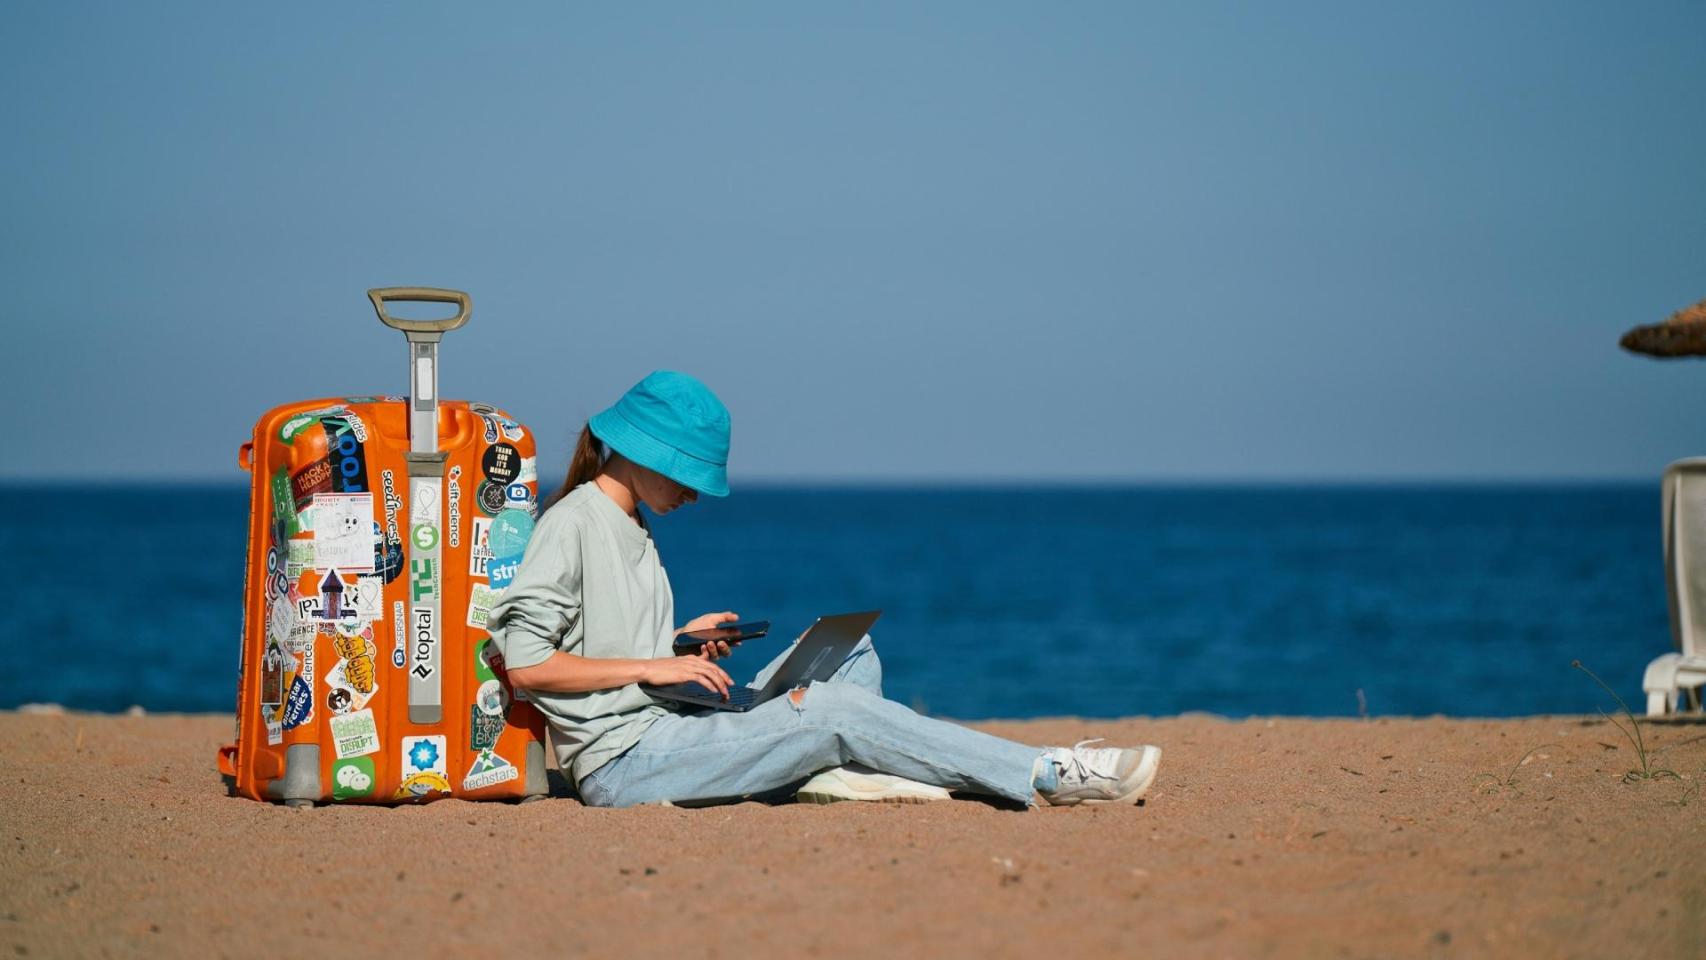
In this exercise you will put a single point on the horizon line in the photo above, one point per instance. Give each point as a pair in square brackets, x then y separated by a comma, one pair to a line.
[976, 482]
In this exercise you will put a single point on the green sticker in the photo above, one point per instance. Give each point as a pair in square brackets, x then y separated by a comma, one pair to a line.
[426, 536]
[483, 729]
[352, 778]
[296, 425]
[284, 502]
[482, 665]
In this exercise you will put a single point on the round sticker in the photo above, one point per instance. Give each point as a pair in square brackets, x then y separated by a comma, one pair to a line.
[426, 536]
[491, 698]
[501, 463]
[511, 530]
[491, 497]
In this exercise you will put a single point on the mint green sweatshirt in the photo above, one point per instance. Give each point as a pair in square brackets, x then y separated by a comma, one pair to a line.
[589, 584]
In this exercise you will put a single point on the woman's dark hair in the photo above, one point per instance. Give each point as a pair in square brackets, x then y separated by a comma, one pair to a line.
[583, 466]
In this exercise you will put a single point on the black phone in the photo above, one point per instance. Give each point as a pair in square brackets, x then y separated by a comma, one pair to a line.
[692, 640]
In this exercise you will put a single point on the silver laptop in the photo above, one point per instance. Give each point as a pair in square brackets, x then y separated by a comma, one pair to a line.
[815, 657]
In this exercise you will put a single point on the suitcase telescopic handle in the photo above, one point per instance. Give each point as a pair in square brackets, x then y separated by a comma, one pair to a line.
[423, 337]
[383, 295]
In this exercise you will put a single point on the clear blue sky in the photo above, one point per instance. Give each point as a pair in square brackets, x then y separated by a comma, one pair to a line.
[903, 241]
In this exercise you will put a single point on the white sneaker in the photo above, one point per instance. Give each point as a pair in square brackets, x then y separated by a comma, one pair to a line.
[1100, 776]
[854, 782]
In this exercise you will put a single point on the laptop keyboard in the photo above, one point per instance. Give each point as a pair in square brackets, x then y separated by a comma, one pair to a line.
[739, 696]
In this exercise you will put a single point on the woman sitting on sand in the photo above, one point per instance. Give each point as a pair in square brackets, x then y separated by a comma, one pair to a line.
[589, 616]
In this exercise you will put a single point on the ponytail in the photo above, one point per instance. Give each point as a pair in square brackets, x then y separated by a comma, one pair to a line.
[588, 458]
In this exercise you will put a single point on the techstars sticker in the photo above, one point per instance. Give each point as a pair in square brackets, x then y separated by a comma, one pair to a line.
[488, 770]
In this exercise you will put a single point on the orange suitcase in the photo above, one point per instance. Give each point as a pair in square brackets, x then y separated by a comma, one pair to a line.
[381, 531]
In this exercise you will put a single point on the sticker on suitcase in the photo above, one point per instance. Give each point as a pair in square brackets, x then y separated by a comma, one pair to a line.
[352, 779]
[481, 600]
[354, 734]
[391, 550]
[479, 546]
[343, 531]
[454, 495]
[488, 770]
[352, 682]
[483, 729]
[423, 768]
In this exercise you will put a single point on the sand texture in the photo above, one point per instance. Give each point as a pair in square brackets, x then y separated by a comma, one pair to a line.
[1281, 838]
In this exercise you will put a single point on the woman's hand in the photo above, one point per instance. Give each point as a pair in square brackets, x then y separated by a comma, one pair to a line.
[667, 670]
[707, 621]
[710, 621]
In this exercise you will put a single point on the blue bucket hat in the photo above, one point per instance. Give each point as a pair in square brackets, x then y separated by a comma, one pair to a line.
[671, 423]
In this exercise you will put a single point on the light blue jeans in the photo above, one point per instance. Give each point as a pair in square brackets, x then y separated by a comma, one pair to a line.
[705, 756]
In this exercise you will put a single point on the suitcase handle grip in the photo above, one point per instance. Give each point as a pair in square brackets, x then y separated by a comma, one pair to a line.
[383, 295]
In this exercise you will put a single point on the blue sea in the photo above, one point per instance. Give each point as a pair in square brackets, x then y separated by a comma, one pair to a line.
[1097, 602]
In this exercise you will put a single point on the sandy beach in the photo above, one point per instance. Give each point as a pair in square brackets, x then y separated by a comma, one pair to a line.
[1264, 838]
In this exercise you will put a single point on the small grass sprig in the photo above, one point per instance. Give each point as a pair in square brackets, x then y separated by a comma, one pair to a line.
[1508, 781]
[1632, 732]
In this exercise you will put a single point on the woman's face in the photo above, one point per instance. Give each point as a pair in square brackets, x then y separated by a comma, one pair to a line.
[660, 493]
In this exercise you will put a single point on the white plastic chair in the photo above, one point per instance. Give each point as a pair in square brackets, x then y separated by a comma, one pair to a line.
[1673, 681]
